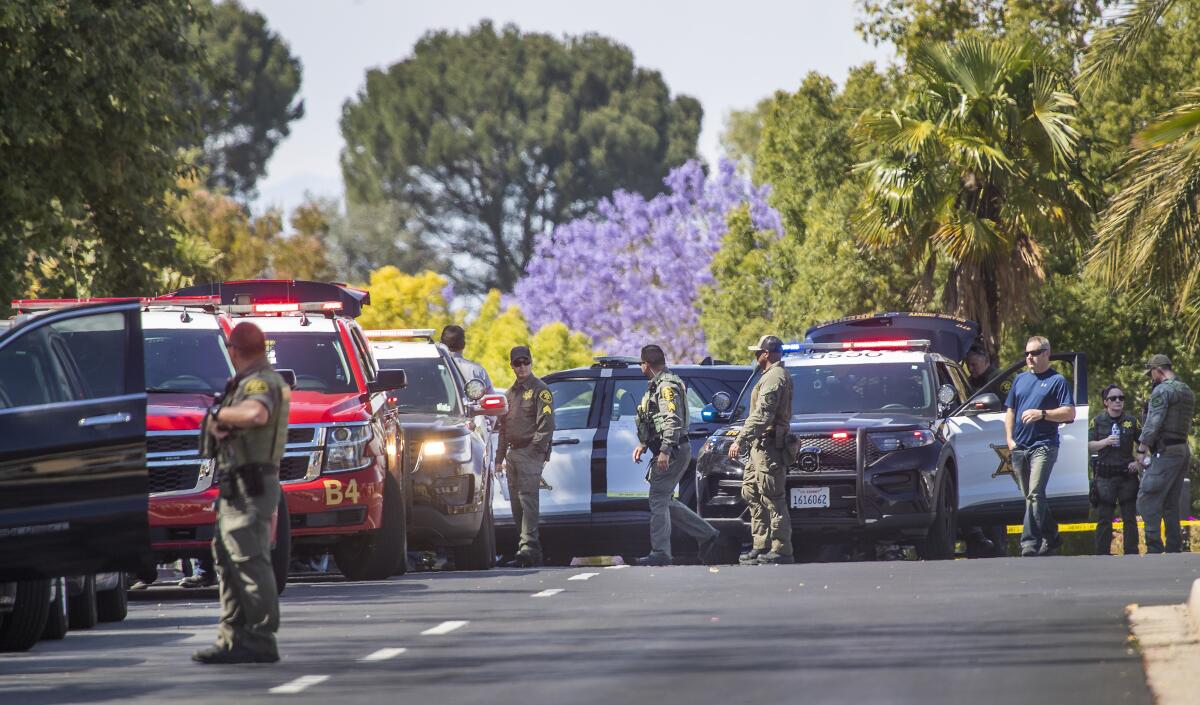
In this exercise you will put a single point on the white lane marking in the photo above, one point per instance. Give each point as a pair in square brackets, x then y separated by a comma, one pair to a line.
[383, 654]
[547, 593]
[298, 685]
[583, 576]
[616, 567]
[445, 627]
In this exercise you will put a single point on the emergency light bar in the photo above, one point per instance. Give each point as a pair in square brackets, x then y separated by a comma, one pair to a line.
[857, 345]
[31, 305]
[406, 333]
[306, 307]
[494, 401]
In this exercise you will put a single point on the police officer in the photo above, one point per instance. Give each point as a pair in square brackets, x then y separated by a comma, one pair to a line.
[524, 448]
[979, 367]
[764, 481]
[662, 423]
[1112, 438]
[250, 428]
[455, 340]
[1168, 425]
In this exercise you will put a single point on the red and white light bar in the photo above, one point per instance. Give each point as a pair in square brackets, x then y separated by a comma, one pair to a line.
[858, 345]
[285, 307]
[401, 333]
[30, 305]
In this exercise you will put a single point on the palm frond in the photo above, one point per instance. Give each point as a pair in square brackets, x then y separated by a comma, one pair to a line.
[1180, 122]
[1049, 107]
[1115, 44]
[895, 131]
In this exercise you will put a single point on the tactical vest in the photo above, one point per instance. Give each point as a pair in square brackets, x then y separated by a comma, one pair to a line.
[1122, 454]
[1181, 404]
[264, 444]
[651, 419]
[781, 423]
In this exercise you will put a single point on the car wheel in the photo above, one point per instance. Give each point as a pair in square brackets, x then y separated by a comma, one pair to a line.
[481, 554]
[113, 605]
[382, 554]
[56, 620]
[82, 607]
[938, 544]
[24, 625]
[281, 552]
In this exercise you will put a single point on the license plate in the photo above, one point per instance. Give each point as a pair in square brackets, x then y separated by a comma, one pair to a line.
[810, 497]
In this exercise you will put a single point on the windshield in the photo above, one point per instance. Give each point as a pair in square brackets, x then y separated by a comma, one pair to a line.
[317, 358]
[193, 361]
[848, 389]
[430, 387]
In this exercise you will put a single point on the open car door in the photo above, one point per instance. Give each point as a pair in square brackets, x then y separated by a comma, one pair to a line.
[73, 479]
[987, 490]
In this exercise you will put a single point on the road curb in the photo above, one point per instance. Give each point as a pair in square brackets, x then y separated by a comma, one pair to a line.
[1168, 638]
[1193, 605]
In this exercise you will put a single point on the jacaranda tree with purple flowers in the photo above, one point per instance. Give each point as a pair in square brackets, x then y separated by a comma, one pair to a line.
[633, 271]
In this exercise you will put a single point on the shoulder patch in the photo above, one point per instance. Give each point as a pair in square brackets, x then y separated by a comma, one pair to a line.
[546, 410]
[255, 385]
[668, 392]
[1156, 400]
[546, 396]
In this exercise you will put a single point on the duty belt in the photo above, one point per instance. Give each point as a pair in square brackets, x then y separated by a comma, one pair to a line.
[1168, 442]
[517, 445]
[1111, 470]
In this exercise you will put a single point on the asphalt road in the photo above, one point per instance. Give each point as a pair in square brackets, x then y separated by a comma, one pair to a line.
[1044, 630]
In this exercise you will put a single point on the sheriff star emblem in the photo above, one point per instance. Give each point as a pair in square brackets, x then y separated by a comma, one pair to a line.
[1005, 467]
[527, 394]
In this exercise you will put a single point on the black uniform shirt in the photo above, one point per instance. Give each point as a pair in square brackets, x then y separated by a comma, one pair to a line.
[1119, 455]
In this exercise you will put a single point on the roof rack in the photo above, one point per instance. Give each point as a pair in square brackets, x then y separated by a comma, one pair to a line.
[857, 345]
[615, 361]
[401, 334]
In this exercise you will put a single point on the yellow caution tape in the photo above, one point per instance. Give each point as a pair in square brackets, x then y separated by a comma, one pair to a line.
[1091, 526]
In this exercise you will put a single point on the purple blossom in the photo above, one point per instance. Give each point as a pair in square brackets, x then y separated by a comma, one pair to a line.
[631, 273]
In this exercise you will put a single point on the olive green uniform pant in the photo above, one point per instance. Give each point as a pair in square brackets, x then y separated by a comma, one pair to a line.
[665, 509]
[524, 479]
[1158, 497]
[764, 486]
[242, 553]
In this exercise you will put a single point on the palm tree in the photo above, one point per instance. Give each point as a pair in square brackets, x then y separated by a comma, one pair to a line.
[1146, 240]
[977, 169]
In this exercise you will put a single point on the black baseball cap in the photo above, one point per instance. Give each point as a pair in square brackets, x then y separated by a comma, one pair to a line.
[768, 343]
[520, 352]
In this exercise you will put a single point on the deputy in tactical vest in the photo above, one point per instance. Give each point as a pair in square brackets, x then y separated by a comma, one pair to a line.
[1115, 471]
[525, 436]
[764, 481]
[250, 429]
[662, 424]
[1168, 425]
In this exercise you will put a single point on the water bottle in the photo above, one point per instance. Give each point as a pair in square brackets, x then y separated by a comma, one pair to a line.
[1116, 430]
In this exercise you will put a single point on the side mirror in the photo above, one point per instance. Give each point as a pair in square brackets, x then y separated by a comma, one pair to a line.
[722, 402]
[985, 403]
[388, 380]
[708, 414]
[289, 377]
[475, 390]
[490, 404]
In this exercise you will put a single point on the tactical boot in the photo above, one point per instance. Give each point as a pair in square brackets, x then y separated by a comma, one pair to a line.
[774, 558]
[654, 559]
[524, 560]
[197, 581]
[751, 557]
[219, 654]
[704, 554]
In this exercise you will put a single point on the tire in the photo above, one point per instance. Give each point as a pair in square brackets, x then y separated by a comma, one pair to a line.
[281, 552]
[56, 620]
[481, 554]
[113, 605]
[380, 555]
[24, 625]
[82, 607]
[938, 544]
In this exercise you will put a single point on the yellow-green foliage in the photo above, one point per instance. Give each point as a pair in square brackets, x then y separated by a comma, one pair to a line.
[400, 300]
[493, 333]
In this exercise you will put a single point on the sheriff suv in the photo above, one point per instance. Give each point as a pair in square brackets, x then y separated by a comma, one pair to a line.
[889, 444]
[340, 472]
[448, 448]
[594, 498]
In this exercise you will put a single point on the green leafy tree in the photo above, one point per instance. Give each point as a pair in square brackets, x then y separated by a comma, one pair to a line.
[245, 243]
[980, 170]
[368, 237]
[400, 300]
[302, 255]
[743, 132]
[494, 331]
[488, 138]
[249, 92]
[555, 347]
[89, 121]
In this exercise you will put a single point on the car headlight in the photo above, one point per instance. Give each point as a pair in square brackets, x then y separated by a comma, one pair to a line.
[899, 440]
[456, 450]
[345, 448]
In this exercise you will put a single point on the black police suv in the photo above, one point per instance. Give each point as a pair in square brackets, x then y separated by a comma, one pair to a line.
[889, 443]
[594, 498]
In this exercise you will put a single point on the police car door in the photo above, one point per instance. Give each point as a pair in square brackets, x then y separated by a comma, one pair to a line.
[567, 477]
[626, 480]
[977, 438]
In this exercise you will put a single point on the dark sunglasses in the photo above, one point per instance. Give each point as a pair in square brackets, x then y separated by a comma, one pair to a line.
[521, 363]
[1114, 398]
[1034, 353]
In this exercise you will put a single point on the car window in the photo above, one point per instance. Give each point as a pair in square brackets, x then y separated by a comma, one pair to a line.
[317, 358]
[186, 360]
[29, 373]
[878, 387]
[572, 402]
[628, 393]
[96, 347]
[364, 355]
[944, 377]
[430, 388]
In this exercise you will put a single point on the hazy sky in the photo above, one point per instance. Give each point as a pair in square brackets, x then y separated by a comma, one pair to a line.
[726, 54]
